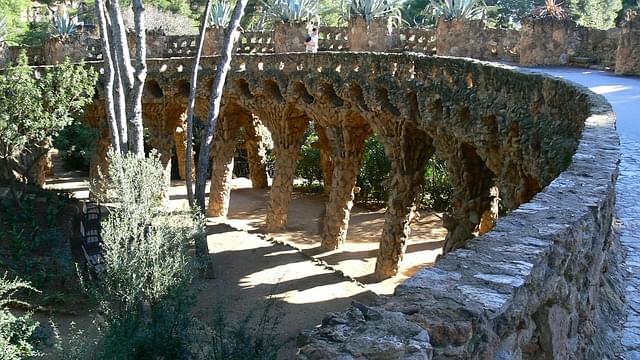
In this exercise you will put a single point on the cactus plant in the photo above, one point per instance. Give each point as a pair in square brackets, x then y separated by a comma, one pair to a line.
[220, 13]
[63, 26]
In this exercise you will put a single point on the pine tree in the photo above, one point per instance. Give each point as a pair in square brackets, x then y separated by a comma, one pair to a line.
[599, 14]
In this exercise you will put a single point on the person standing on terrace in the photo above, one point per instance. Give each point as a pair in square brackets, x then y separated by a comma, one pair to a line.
[311, 42]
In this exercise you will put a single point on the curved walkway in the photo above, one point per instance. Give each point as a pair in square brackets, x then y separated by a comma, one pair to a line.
[624, 95]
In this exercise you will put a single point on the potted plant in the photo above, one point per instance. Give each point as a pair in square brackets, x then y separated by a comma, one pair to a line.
[371, 23]
[548, 36]
[292, 22]
[219, 18]
[460, 28]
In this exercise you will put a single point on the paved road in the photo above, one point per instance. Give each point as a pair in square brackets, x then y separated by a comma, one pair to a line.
[624, 94]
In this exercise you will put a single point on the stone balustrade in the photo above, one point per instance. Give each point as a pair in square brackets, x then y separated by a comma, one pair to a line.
[540, 42]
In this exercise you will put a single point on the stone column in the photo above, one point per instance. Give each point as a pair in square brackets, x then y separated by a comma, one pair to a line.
[180, 139]
[326, 162]
[162, 141]
[256, 153]
[347, 145]
[224, 147]
[287, 139]
[409, 154]
[475, 199]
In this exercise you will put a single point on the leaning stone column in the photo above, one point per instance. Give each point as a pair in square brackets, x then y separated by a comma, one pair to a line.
[163, 143]
[180, 139]
[475, 199]
[408, 155]
[326, 162]
[256, 153]
[224, 147]
[347, 154]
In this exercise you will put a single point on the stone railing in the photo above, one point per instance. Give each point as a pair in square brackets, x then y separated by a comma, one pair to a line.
[540, 42]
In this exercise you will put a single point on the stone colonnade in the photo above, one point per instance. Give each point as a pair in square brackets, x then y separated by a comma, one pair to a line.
[471, 116]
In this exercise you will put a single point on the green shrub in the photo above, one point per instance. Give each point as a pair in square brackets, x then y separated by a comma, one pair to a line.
[437, 189]
[308, 167]
[146, 291]
[76, 144]
[374, 174]
[16, 332]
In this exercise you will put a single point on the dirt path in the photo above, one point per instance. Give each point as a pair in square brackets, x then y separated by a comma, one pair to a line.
[251, 267]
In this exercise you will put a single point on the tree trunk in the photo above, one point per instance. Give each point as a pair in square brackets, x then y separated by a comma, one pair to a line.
[216, 97]
[192, 103]
[108, 76]
[124, 83]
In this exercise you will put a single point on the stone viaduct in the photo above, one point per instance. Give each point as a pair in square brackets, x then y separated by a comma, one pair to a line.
[503, 135]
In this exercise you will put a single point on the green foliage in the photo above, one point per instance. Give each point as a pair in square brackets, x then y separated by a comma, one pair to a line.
[374, 174]
[292, 11]
[221, 12]
[599, 14]
[16, 332]
[437, 189]
[145, 292]
[47, 103]
[63, 26]
[308, 166]
[12, 12]
[374, 9]
[459, 9]
[76, 145]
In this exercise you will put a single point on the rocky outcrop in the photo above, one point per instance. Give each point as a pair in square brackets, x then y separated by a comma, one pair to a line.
[628, 55]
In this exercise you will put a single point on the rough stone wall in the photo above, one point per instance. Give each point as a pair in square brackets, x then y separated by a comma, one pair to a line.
[375, 36]
[473, 39]
[548, 41]
[628, 55]
[418, 40]
[290, 37]
[597, 48]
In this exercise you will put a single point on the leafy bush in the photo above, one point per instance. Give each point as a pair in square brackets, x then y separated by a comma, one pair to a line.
[375, 172]
[146, 291]
[46, 106]
[309, 162]
[437, 189]
[76, 144]
[16, 332]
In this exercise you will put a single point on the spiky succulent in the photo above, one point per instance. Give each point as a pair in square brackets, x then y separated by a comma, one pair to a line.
[63, 26]
[375, 9]
[459, 9]
[290, 11]
[220, 15]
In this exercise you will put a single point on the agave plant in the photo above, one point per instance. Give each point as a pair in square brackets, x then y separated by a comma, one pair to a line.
[551, 8]
[63, 26]
[374, 9]
[459, 9]
[290, 11]
[220, 13]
